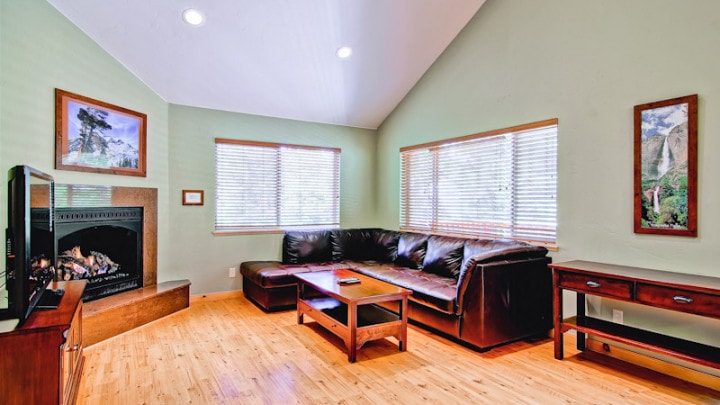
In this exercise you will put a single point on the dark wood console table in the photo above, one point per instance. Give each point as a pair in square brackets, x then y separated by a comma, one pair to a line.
[687, 293]
[41, 362]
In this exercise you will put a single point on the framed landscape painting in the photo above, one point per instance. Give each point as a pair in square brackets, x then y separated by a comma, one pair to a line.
[666, 167]
[94, 136]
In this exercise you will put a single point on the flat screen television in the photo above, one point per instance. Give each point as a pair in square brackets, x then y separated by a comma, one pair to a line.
[30, 241]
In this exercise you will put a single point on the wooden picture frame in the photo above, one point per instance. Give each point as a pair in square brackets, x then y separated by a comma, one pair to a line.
[193, 197]
[97, 137]
[665, 180]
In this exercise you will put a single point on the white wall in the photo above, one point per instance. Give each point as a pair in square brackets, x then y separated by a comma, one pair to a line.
[586, 63]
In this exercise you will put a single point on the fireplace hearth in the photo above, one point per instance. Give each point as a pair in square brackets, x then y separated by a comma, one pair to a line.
[102, 245]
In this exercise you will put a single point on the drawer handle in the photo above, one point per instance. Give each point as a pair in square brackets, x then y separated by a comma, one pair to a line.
[681, 299]
[593, 284]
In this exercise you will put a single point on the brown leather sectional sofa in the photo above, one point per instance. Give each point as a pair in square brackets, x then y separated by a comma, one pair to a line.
[482, 292]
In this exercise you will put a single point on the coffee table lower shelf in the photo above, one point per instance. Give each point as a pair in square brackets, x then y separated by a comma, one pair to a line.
[373, 322]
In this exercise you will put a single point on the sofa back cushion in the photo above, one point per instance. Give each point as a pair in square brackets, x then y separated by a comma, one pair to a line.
[385, 245]
[411, 250]
[364, 244]
[444, 256]
[352, 244]
[306, 247]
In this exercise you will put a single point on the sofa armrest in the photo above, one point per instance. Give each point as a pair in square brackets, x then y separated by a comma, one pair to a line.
[504, 300]
[471, 283]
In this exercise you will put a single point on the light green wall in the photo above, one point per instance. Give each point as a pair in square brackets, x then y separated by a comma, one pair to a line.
[205, 258]
[586, 63]
[40, 50]
[518, 61]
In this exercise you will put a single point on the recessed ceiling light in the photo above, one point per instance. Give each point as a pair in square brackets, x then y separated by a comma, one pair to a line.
[193, 17]
[344, 52]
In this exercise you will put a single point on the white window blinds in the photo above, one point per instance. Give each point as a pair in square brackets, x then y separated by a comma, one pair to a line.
[499, 184]
[271, 187]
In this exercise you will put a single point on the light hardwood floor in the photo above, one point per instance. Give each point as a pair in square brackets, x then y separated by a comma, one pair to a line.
[230, 352]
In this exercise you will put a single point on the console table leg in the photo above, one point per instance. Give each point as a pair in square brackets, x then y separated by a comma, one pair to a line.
[558, 317]
[581, 321]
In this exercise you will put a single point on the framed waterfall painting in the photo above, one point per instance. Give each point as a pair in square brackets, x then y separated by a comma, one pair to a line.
[94, 136]
[666, 167]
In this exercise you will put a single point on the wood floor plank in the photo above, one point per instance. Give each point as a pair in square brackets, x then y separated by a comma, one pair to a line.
[229, 352]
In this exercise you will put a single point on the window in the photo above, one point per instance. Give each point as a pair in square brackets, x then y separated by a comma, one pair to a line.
[78, 195]
[500, 184]
[272, 187]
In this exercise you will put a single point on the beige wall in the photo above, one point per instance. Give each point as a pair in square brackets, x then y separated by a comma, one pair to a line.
[586, 63]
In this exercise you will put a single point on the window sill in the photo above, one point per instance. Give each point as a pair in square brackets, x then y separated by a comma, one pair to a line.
[233, 232]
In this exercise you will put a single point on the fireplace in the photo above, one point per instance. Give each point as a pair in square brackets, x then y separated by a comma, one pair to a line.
[102, 245]
[104, 318]
[82, 196]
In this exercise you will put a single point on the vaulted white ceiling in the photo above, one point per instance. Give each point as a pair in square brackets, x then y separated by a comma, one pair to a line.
[277, 57]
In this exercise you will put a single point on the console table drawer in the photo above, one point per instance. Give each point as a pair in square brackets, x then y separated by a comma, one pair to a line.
[605, 286]
[679, 300]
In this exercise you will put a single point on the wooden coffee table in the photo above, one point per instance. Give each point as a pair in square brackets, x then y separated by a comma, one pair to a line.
[349, 310]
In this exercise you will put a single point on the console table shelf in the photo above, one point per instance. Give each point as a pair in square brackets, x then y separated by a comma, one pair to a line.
[687, 293]
[644, 339]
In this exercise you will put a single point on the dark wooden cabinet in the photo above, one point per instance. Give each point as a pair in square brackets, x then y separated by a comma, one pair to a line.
[698, 295]
[41, 361]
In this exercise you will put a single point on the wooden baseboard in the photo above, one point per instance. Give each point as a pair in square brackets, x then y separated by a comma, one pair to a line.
[217, 296]
[122, 312]
[661, 366]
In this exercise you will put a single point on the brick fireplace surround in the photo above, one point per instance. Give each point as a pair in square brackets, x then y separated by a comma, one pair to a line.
[109, 316]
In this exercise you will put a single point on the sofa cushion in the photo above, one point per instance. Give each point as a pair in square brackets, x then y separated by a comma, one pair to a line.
[352, 244]
[364, 244]
[428, 289]
[385, 246]
[444, 256]
[307, 247]
[411, 250]
[275, 274]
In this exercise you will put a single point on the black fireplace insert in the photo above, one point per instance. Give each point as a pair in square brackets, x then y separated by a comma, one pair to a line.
[100, 245]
